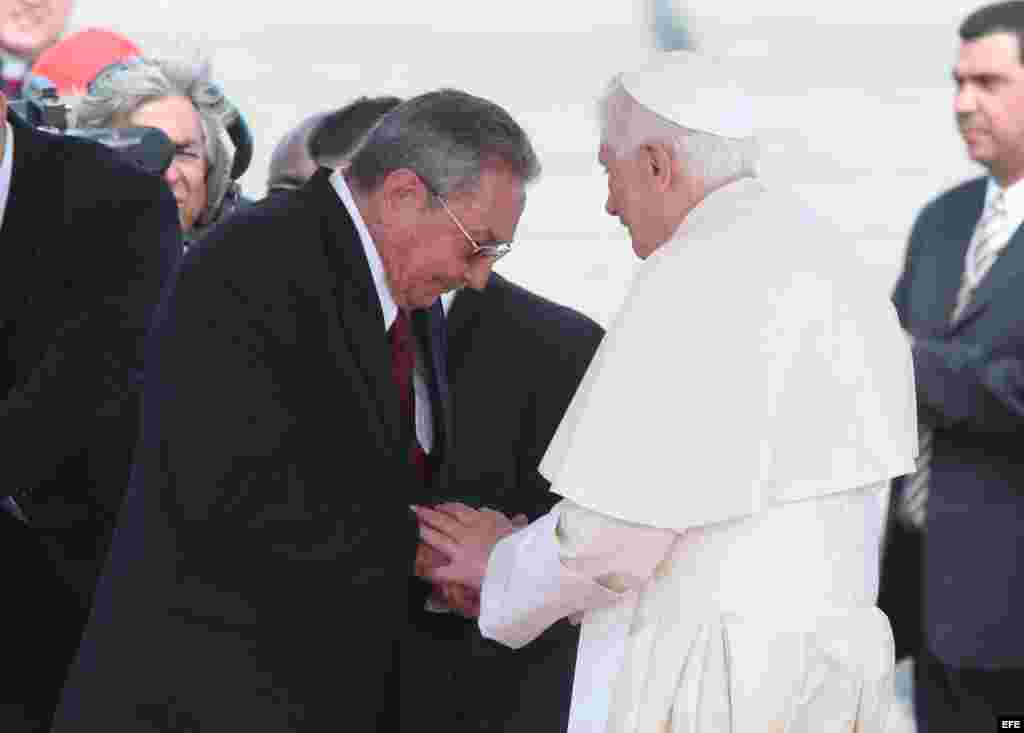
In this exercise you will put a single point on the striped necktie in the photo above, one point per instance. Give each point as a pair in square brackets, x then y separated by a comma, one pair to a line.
[989, 240]
[987, 244]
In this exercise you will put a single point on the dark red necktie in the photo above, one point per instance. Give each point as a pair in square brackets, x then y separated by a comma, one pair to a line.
[403, 359]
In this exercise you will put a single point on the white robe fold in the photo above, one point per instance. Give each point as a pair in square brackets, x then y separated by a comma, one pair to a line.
[755, 353]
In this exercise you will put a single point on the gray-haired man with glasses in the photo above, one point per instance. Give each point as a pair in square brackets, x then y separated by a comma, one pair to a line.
[492, 461]
[296, 406]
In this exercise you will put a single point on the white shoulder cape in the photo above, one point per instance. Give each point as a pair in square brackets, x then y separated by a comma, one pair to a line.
[755, 360]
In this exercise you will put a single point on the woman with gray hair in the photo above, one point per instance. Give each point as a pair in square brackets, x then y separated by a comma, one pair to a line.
[178, 98]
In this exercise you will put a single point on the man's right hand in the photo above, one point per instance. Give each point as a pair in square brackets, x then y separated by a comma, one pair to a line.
[427, 559]
[458, 598]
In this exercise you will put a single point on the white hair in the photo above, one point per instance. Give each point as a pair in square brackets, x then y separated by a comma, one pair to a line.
[626, 125]
[122, 88]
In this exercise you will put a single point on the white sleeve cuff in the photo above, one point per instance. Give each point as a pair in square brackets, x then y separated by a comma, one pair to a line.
[527, 588]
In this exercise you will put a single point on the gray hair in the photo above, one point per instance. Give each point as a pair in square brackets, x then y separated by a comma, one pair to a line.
[445, 137]
[626, 125]
[120, 89]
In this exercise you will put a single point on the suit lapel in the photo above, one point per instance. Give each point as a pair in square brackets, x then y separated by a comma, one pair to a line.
[1004, 271]
[959, 224]
[462, 322]
[23, 199]
[33, 179]
[359, 311]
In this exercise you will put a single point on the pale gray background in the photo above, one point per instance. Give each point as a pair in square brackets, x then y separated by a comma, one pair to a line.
[857, 102]
[858, 98]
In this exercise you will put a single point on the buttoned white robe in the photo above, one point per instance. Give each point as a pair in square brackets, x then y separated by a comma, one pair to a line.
[723, 463]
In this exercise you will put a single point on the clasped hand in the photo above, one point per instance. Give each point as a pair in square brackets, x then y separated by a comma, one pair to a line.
[456, 543]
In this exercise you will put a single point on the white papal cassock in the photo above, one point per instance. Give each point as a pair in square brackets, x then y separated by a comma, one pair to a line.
[723, 465]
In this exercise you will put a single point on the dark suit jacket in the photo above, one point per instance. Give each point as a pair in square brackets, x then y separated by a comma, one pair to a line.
[87, 243]
[258, 580]
[970, 382]
[514, 362]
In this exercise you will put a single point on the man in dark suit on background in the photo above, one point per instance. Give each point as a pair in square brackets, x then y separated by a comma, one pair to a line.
[291, 163]
[326, 139]
[288, 425]
[87, 243]
[502, 427]
[959, 298]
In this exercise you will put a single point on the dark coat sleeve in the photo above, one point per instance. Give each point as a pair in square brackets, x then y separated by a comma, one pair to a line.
[262, 553]
[121, 229]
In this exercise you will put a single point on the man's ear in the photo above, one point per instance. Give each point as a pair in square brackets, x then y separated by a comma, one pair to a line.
[660, 164]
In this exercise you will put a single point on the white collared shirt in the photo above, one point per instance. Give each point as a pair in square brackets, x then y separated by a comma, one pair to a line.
[424, 423]
[447, 298]
[6, 169]
[1014, 199]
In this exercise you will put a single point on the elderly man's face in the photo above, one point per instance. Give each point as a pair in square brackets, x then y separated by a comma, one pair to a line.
[989, 103]
[187, 173]
[628, 181]
[29, 27]
[440, 257]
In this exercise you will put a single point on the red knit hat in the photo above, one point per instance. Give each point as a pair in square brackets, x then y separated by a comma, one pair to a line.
[73, 62]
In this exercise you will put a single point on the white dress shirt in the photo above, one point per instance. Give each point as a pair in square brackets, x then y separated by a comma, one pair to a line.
[6, 168]
[424, 423]
[447, 299]
[1014, 200]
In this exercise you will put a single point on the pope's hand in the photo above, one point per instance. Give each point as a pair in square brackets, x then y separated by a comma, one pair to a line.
[466, 536]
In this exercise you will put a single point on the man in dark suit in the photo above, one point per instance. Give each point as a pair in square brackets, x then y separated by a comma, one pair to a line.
[500, 436]
[959, 299]
[502, 426]
[267, 539]
[326, 139]
[291, 163]
[87, 242]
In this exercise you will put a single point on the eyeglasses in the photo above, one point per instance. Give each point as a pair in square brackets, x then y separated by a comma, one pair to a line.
[494, 251]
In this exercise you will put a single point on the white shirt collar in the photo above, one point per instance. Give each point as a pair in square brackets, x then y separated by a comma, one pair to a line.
[1014, 199]
[387, 303]
[6, 168]
[447, 298]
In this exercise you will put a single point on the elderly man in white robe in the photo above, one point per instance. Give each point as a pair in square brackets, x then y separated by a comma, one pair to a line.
[723, 463]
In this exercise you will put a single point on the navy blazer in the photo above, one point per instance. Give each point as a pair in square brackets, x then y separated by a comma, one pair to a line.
[259, 577]
[970, 385]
